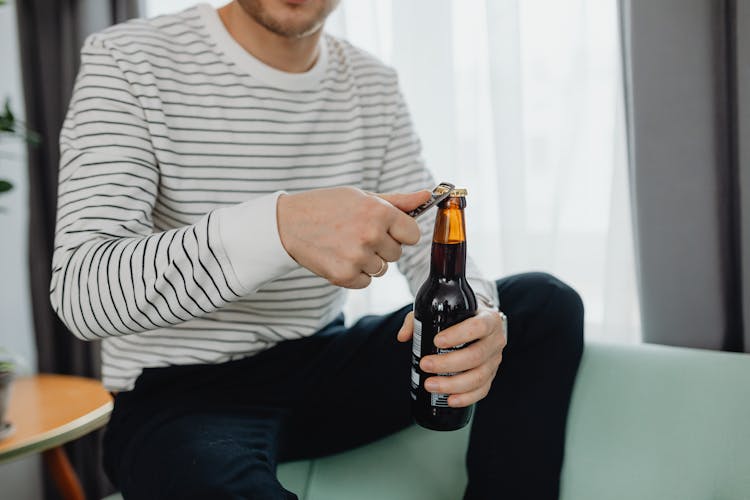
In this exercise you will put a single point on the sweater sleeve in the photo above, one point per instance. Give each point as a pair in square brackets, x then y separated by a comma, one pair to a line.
[404, 170]
[112, 273]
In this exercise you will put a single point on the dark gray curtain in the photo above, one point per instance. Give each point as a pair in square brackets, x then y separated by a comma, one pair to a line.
[51, 33]
[742, 32]
[687, 87]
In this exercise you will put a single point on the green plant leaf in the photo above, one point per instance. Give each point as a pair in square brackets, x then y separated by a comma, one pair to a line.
[5, 186]
[7, 364]
[7, 119]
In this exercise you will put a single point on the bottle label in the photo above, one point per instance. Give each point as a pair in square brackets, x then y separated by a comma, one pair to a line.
[440, 400]
[416, 344]
[416, 354]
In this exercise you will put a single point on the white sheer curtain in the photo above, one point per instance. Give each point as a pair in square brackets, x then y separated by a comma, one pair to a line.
[521, 102]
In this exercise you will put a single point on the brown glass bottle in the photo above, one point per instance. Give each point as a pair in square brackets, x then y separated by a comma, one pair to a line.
[443, 300]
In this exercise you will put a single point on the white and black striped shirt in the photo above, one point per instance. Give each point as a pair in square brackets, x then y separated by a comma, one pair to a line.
[174, 150]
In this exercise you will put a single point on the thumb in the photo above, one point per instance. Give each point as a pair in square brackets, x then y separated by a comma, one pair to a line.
[406, 201]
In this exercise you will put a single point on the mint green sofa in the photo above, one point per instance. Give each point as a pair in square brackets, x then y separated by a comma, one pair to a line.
[646, 423]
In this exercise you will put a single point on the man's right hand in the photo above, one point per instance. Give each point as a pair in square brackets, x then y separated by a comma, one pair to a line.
[347, 235]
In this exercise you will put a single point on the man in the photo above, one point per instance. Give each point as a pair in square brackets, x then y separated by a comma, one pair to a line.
[215, 200]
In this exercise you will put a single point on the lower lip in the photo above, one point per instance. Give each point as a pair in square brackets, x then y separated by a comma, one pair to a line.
[296, 2]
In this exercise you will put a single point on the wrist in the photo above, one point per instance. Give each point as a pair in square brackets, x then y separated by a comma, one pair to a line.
[249, 238]
[282, 224]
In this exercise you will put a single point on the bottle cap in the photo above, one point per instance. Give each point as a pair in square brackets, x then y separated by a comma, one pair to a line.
[459, 192]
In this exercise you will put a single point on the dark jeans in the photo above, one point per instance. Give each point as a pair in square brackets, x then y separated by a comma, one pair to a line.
[218, 431]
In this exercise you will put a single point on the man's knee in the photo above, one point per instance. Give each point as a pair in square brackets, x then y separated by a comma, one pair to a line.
[563, 300]
[542, 297]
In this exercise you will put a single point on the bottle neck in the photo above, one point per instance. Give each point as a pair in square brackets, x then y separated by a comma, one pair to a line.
[448, 259]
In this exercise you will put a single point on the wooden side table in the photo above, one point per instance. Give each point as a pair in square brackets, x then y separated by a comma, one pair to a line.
[48, 411]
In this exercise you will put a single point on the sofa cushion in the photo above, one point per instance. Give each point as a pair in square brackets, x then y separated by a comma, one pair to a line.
[659, 423]
[646, 422]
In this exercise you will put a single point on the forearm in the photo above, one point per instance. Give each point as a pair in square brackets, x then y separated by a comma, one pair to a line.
[117, 286]
[110, 285]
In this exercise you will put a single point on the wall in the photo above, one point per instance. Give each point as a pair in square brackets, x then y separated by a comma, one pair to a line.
[19, 479]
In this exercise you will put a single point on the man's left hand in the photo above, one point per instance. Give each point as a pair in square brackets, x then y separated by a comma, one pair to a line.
[474, 366]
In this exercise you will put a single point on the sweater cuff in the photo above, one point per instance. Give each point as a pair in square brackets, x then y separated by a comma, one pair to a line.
[250, 236]
[485, 291]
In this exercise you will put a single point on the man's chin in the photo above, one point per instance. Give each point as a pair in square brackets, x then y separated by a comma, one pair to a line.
[289, 18]
[292, 30]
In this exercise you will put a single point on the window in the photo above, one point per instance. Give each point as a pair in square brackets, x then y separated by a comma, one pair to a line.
[521, 102]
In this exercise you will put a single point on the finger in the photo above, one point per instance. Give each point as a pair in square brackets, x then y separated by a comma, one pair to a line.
[407, 329]
[404, 229]
[361, 280]
[389, 249]
[406, 201]
[462, 382]
[469, 357]
[468, 398]
[477, 327]
[376, 267]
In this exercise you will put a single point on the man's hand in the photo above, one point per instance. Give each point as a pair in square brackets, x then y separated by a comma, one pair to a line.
[477, 363]
[347, 235]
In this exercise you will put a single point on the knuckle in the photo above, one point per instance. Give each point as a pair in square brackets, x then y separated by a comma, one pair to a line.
[377, 207]
[337, 282]
[370, 235]
[487, 327]
[503, 341]
[473, 329]
[351, 283]
[476, 355]
[358, 257]
[488, 373]
[497, 359]
[479, 378]
[395, 253]
[364, 282]
[338, 276]
[463, 331]
[335, 278]
[342, 276]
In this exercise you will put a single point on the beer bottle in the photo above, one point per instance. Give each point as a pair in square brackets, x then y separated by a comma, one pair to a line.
[443, 300]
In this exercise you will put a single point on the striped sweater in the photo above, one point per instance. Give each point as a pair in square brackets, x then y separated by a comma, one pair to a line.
[175, 148]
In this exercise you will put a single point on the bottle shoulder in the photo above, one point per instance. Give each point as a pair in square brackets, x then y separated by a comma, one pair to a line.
[434, 284]
[445, 295]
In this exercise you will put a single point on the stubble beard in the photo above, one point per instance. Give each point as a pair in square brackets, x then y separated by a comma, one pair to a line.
[259, 14]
